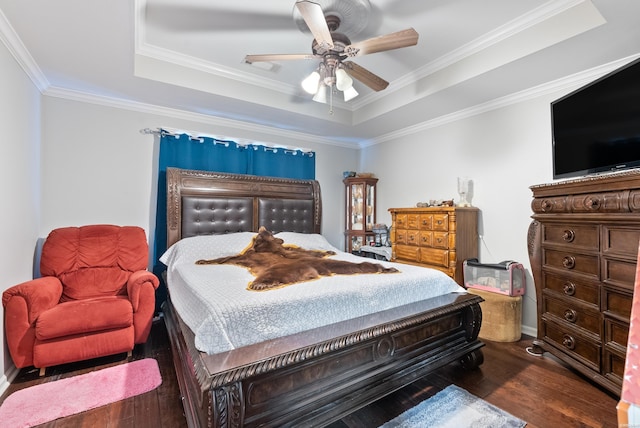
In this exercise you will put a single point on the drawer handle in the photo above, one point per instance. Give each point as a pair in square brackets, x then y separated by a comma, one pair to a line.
[569, 262]
[570, 315]
[439, 240]
[569, 235]
[424, 222]
[411, 238]
[439, 221]
[569, 288]
[569, 342]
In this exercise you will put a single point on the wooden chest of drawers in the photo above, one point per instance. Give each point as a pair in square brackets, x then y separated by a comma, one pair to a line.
[436, 237]
[583, 246]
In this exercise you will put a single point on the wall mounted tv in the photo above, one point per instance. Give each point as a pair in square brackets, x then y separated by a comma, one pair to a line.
[596, 128]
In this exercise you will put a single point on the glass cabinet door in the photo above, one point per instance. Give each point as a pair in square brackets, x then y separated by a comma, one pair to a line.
[357, 206]
[370, 204]
[360, 212]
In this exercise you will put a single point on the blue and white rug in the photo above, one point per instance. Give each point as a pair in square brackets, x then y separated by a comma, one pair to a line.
[453, 407]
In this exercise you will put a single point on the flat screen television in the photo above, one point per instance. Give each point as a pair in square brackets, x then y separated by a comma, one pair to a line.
[596, 129]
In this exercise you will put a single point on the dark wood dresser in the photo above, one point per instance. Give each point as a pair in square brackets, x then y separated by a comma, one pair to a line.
[437, 237]
[583, 246]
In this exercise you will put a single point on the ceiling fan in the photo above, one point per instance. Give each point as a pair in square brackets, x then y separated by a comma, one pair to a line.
[333, 48]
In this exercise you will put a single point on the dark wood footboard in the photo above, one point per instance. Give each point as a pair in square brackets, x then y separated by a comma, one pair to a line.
[321, 375]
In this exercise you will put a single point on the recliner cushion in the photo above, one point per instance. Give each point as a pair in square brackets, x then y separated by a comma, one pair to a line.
[84, 316]
[94, 261]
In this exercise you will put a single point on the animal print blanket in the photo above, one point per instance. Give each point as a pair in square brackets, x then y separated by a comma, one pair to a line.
[275, 265]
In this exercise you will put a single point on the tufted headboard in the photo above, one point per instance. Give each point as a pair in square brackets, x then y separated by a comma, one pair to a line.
[207, 203]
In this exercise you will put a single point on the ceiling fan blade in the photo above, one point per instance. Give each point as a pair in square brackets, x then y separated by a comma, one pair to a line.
[314, 18]
[373, 81]
[276, 57]
[400, 39]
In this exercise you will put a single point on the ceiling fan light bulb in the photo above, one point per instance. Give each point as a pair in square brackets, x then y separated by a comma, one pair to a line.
[350, 93]
[321, 95]
[310, 83]
[343, 81]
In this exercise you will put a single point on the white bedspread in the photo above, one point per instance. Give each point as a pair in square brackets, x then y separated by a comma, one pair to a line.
[214, 302]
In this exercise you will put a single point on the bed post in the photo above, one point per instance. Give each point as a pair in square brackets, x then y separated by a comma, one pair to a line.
[473, 321]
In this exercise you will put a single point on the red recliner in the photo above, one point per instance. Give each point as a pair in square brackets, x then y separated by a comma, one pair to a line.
[95, 298]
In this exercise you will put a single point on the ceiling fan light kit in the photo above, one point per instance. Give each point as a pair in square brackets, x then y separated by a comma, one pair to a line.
[350, 93]
[332, 48]
[311, 82]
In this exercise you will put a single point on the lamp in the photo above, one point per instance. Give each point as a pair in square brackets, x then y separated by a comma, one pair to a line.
[350, 93]
[329, 76]
[310, 83]
[343, 81]
[321, 95]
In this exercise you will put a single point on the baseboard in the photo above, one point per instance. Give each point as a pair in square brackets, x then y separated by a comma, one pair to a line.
[529, 331]
[10, 375]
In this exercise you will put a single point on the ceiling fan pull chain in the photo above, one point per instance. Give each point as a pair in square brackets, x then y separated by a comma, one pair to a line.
[331, 99]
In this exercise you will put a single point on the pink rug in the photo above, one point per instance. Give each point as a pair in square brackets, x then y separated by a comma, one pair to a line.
[52, 400]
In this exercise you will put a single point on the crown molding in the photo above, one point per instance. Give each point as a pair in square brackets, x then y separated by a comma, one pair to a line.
[566, 83]
[19, 51]
[563, 84]
[522, 23]
[139, 107]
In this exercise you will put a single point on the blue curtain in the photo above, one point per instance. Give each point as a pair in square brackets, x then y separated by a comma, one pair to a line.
[280, 162]
[208, 154]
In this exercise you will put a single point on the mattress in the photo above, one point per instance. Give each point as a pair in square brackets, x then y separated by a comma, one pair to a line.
[214, 302]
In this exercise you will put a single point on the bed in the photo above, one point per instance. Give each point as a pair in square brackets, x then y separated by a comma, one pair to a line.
[310, 377]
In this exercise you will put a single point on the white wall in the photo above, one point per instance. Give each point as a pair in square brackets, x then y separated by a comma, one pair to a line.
[98, 167]
[19, 182]
[504, 151]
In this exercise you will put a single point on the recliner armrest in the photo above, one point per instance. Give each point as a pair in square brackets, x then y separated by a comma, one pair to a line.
[40, 294]
[136, 282]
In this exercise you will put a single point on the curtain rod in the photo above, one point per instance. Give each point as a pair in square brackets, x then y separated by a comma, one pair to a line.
[196, 136]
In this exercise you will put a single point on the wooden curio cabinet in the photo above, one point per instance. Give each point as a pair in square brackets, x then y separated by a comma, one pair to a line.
[360, 212]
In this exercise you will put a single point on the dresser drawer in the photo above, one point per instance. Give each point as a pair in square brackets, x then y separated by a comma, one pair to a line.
[441, 222]
[618, 272]
[573, 314]
[615, 349]
[434, 256]
[567, 261]
[621, 241]
[426, 222]
[401, 221]
[613, 366]
[616, 334]
[413, 237]
[426, 238]
[401, 236]
[407, 252]
[580, 237]
[582, 290]
[580, 348]
[616, 303]
[413, 221]
[440, 240]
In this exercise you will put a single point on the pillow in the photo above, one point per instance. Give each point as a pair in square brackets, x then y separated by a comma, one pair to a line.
[188, 250]
[308, 241]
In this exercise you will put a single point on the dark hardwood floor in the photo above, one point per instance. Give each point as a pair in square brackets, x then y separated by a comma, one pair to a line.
[539, 390]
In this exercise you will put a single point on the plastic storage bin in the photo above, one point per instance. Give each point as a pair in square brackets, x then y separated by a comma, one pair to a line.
[506, 277]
